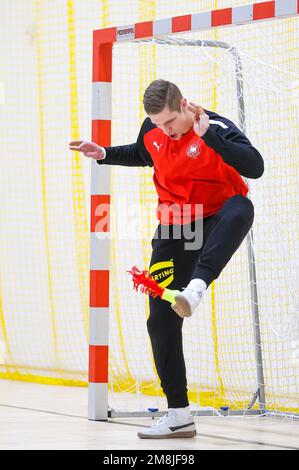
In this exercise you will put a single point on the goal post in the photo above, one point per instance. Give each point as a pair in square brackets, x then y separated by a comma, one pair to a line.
[106, 185]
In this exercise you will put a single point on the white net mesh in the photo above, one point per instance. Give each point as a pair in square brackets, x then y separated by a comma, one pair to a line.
[219, 342]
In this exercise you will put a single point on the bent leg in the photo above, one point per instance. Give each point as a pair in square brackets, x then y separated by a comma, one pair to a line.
[164, 325]
[230, 226]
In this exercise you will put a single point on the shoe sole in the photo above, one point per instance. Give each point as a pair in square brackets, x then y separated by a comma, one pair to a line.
[187, 434]
[181, 307]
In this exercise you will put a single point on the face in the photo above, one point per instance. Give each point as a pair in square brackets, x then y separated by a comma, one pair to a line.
[173, 123]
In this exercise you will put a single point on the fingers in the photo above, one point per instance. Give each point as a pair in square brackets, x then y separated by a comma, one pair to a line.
[76, 142]
[80, 146]
[193, 108]
[76, 149]
[196, 109]
[76, 145]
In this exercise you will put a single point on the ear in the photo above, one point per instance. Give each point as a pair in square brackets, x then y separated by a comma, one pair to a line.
[183, 104]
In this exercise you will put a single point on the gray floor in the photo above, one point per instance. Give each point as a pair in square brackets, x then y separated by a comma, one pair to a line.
[34, 416]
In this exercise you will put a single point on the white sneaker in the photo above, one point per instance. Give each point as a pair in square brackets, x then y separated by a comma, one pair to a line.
[187, 301]
[173, 424]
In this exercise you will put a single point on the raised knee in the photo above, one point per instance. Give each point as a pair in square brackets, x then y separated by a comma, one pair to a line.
[245, 211]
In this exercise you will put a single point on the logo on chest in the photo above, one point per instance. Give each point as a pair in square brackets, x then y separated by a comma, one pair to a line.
[193, 150]
[157, 146]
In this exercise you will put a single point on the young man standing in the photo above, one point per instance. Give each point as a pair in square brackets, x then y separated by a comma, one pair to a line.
[198, 159]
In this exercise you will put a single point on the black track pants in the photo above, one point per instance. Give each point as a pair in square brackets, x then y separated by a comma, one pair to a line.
[223, 233]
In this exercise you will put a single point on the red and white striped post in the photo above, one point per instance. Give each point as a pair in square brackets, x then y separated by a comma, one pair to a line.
[100, 229]
[100, 175]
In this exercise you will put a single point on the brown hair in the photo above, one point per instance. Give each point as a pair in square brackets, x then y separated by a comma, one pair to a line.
[159, 94]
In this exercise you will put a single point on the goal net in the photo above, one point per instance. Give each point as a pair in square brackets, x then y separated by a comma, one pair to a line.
[244, 76]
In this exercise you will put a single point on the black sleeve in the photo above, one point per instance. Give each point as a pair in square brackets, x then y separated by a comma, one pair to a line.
[233, 146]
[131, 154]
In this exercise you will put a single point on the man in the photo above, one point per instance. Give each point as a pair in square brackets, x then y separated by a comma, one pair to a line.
[198, 158]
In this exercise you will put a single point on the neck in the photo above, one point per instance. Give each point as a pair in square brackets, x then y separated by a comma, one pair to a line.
[189, 121]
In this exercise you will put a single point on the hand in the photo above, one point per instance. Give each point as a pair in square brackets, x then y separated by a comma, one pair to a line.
[89, 149]
[202, 121]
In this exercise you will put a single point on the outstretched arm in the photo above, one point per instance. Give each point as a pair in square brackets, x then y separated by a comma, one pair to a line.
[125, 155]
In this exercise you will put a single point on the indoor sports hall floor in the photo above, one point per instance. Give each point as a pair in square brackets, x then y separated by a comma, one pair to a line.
[34, 416]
